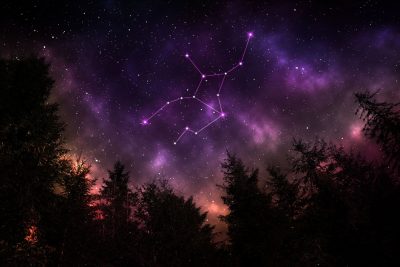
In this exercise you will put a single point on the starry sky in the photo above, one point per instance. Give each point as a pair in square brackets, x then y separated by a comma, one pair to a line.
[117, 62]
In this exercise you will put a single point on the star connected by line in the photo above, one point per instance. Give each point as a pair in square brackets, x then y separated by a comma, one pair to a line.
[194, 97]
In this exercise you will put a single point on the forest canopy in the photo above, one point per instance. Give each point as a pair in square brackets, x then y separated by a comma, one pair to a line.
[330, 208]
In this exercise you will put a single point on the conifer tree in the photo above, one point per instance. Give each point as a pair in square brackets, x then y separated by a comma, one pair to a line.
[31, 149]
[117, 202]
[76, 215]
[173, 230]
[382, 124]
[250, 217]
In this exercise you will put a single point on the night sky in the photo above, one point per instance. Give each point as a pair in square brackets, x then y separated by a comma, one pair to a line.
[117, 62]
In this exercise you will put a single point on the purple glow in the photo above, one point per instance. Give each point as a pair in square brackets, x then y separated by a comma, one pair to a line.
[307, 78]
[209, 107]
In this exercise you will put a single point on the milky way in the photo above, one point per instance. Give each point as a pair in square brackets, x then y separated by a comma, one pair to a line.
[115, 63]
[215, 107]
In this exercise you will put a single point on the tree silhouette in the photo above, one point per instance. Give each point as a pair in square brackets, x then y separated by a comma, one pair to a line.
[118, 229]
[381, 196]
[173, 230]
[119, 200]
[75, 217]
[250, 219]
[382, 124]
[284, 193]
[287, 208]
[31, 149]
[329, 208]
[349, 210]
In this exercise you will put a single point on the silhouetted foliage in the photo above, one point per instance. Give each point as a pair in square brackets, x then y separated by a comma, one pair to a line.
[31, 149]
[249, 221]
[382, 124]
[173, 230]
[76, 216]
[332, 209]
[328, 208]
[322, 220]
[117, 201]
[287, 206]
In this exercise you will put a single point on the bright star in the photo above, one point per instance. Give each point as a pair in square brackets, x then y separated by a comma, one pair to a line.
[195, 98]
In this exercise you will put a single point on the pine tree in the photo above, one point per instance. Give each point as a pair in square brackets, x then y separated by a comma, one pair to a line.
[284, 193]
[117, 201]
[287, 207]
[76, 215]
[323, 212]
[173, 230]
[250, 217]
[382, 124]
[31, 149]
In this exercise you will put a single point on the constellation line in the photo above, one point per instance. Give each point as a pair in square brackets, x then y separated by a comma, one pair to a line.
[220, 112]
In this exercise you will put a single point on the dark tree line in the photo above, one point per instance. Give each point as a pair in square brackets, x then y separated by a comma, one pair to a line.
[48, 215]
[330, 208]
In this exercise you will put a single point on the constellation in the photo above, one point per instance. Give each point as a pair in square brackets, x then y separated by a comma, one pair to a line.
[203, 75]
